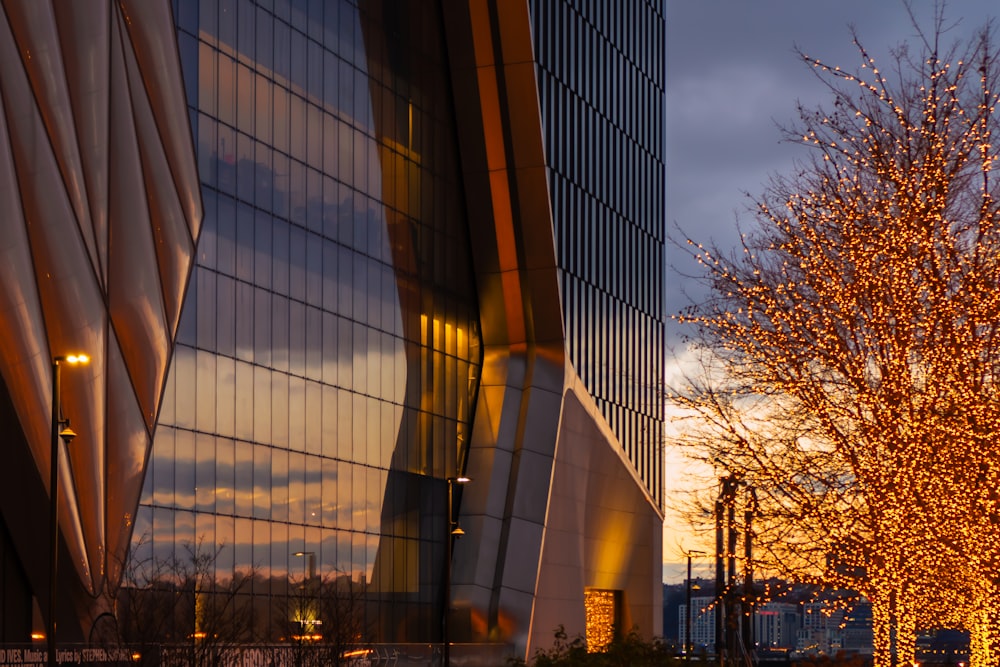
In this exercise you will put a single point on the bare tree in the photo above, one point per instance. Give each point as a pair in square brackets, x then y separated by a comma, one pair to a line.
[325, 618]
[183, 602]
[850, 351]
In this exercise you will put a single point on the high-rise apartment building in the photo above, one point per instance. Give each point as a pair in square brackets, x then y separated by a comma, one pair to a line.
[430, 248]
[702, 617]
[600, 82]
[777, 625]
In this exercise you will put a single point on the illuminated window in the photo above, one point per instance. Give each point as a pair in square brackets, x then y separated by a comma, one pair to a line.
[603, 610]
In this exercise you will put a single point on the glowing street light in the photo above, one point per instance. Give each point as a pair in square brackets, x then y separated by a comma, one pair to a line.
[687, 622]
[453, 530]
[60, 429]
[311, 562]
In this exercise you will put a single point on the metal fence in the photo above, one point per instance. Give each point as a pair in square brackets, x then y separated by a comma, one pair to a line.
[262, 655]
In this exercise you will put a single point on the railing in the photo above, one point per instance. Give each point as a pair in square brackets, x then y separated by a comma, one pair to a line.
[256, 655]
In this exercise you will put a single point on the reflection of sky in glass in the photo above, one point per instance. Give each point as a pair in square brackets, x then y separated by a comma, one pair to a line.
[318, 347]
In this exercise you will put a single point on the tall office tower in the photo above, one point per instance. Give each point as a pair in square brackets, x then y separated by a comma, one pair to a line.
[431, 251]
[777, 625]
[600, 82]
[702, 623]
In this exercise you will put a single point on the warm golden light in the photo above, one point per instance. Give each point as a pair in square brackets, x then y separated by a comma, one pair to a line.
[77, 359]
[358, 653]
[852, 351]
[601, 609]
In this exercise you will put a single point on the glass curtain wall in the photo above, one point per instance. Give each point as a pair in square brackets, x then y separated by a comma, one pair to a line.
[328, 350]
[600, 77]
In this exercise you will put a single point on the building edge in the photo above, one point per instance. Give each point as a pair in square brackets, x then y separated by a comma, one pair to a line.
[555, 500]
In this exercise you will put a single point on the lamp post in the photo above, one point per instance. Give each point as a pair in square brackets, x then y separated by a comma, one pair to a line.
[307, 613]
[453, 530]
[311, 562]
[66, 434]
[687, 622]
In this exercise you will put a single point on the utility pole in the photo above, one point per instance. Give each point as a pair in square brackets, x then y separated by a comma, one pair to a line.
[725, 522]
[720, 583]
[689, 615]
[733, 608]
[748, 593]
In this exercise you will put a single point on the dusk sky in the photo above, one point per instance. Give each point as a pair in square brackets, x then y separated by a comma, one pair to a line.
[732, 78]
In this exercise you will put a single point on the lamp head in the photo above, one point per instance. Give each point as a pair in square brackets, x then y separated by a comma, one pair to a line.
[457, 531]
[75, 359]
[67, 434]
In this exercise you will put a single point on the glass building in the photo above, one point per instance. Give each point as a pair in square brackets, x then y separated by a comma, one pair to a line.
[424, 241]
[601, 86]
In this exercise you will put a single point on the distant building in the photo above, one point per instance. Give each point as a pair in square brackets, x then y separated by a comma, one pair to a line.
[943, 647]
[702, 623]
[821, 632]
[776, 625]
[673, 598]
[858, 636]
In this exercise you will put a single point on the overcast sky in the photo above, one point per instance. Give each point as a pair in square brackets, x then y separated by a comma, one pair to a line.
[732, 77]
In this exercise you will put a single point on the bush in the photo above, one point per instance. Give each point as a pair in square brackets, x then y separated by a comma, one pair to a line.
[628, 651]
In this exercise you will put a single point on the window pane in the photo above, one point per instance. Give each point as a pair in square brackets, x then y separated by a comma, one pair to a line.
[296, 487]
[279, 485]
[313, 417]
[279, 332]
[262, 482]
[206, 391]
[296, 413]
[245, 99]
[205, 483]
[162, 467]
[279, 409]
[296, 338]
[244, 482]
[185, 369]
[262, 327]
[225, 476]
[184, 466]
[262, 405]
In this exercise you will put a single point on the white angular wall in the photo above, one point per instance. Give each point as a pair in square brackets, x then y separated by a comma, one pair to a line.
[100, 210]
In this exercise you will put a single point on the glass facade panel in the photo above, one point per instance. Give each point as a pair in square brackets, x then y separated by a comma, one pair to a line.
[608, 205]
[319, 317]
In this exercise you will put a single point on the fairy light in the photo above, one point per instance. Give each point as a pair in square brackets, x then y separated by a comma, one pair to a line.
[601, 610]
[854, 351]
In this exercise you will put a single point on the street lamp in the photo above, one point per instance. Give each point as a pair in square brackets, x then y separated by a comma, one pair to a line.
[453, 530]
[60, 429]
[307, 611]
[311, 555]
[687, 623]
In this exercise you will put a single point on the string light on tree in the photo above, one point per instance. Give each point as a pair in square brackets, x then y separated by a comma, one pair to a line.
[852, 349]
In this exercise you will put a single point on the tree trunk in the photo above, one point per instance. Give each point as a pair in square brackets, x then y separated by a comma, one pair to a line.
[893, 626]
[984, 626]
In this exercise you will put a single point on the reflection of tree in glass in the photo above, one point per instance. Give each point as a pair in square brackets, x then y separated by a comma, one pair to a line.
[179, 600]
[323, 616]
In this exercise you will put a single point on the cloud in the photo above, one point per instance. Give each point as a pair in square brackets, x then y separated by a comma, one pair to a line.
[731, 77]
